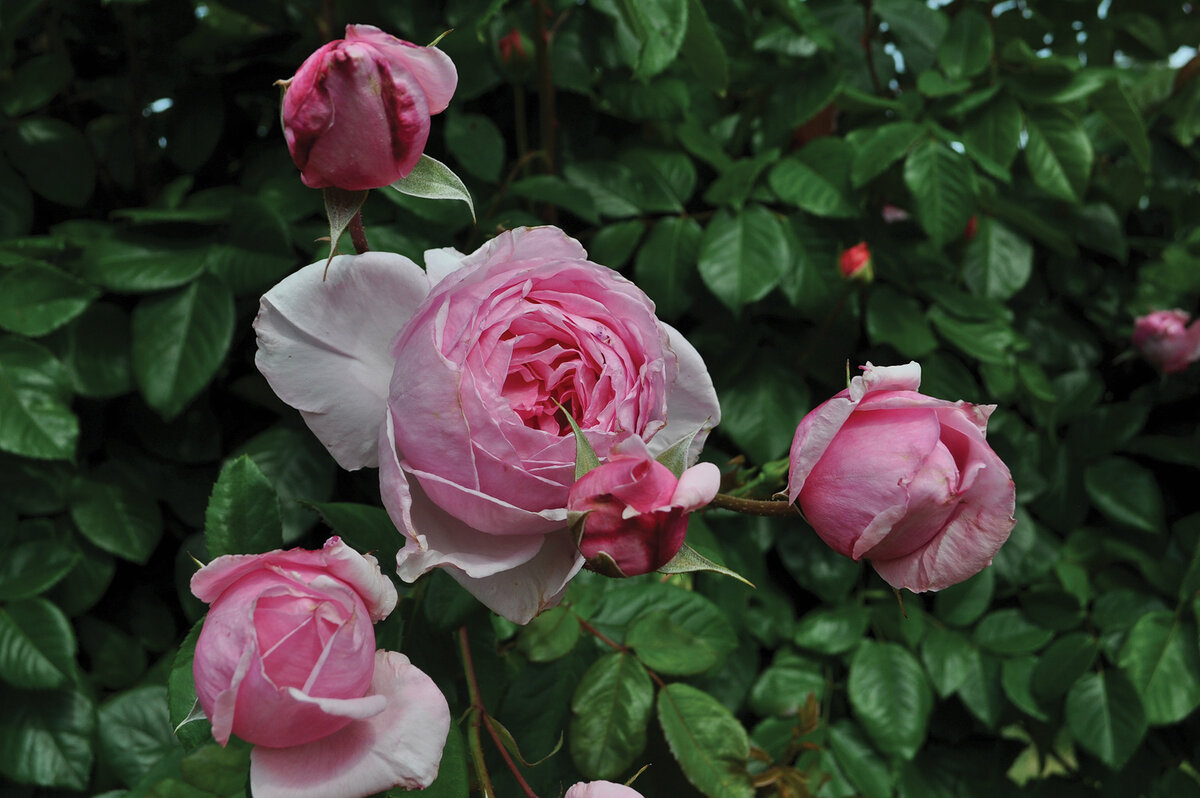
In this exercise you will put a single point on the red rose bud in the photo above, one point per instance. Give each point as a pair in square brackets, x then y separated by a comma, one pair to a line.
[971, 228]
[855, 263]
[356, 113]
[633, 511]
[512, 48]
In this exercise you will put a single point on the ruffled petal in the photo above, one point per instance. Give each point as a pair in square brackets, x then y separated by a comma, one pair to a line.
[399, 747]
[323, 345]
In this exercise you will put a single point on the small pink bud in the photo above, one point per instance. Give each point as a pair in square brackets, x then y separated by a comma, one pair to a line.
[856, 263]
[1165, 338]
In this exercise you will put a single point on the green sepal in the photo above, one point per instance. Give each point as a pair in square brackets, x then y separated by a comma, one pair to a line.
[511, 744]
[585, 455]
[675, 457]
[432, 179]
[340, 207]
[688, 559]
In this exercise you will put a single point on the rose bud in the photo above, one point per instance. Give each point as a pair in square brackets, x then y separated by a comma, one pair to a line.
[601, 789]
[855, 263]
[633, 511]
[1165, 339]
[356, 113]
[971, 228]
[903, 479]
[286, 660]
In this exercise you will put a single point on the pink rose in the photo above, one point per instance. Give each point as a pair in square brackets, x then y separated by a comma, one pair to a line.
[906, 480]
[1165, 339]
[450, 381]
[286, 660]
[356, 113]
[855, 263]
[601, 789]
[637, 509]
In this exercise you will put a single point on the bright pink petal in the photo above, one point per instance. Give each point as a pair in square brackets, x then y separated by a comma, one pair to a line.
[361, 572]
[399, 747]
[323, 345]
[433, 70]
[691, 401]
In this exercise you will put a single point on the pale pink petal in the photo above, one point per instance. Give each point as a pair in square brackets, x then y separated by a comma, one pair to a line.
[886, 378]
[691, 402]
[520, 593]
[697, 486]
[433, 70]
[441, 262]
[489, 514]
[357, 708]
[433, 537]
[323, 345]
[361, 572]
[601, 789]
[399, 747]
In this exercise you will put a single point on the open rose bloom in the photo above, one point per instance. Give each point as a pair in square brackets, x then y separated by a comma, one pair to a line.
[601, 789]
[286, 660]
[903, 479]
[356, 113]
[451, 380]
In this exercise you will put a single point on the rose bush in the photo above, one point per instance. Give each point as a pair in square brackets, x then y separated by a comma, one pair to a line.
[356, 113]
[601, 789]
[1165, 338]
[453, 380]
[636, 509]
[906, 480]
[286, 660]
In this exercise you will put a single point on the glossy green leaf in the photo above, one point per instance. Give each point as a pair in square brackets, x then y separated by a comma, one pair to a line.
[660, 26]
[549, 636]
[1162, 659]
[610, 711]
[1115, 105]
[702, 50]
[117, 518]
[665, 647]
[898, 320]
[783, 687]
[881, 148]
[943, 185]
[797, 183]
[1126, 493]
[37, 645]
[134, 732]
[863, 766]
[46, 737]
[1104, 713]
[476, 143]
[35, 418]
[1059, 155]
[665, 265]
[556, 191]
[1016, 676]
[743, 255]
[981, 691]
[1062, 663]
[140, 263]
[180, 340]
[967, 48]
[946, 654]
[691, 611]
[994, 131]
[614, 244]
[34, 83]
[832, 630]
[95, 350]
[365, 528]
[1007, 631]
[55, 158]
[243, 511]
[35, 300]
[187, 720]
[709, 743]
[890, 697]
[34, 556]
[761, 407]
[299, 467]
[998, 261]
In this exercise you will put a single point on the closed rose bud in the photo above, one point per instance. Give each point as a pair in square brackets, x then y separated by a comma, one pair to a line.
[855, 263]
[356, 113]
[903, 479]
[1165, 338]
[972, 227]
[636, 509]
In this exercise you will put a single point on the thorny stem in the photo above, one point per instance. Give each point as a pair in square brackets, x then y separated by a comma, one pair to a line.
[754, 506]
[547, 122]
[477, 714]
[479, 717]
[358, 234]
[587, 627]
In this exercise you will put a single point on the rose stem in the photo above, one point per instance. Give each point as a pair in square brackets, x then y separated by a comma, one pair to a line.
[754, 506]
[358, 234]
[587, 627]
[479, 716]
[476, 745]
[547, 122]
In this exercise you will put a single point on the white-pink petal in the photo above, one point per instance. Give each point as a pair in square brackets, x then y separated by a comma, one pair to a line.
[691, 402]
[697, 486]
[323, 345]
[399, 747]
